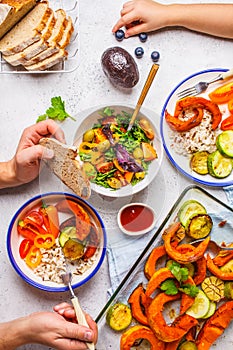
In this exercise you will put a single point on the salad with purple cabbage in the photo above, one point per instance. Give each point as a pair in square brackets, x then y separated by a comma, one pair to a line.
[114, 157]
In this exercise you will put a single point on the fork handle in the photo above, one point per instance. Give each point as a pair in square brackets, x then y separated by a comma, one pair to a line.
[227, 74]
[81, 318]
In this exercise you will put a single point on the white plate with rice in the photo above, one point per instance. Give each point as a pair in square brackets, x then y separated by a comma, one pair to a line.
[180, 146]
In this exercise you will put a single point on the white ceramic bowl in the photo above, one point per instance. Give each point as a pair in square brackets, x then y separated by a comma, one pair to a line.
[135, 219]
[90, 117]
[14, 240]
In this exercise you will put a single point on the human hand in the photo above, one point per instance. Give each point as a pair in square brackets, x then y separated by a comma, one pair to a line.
[60, 330]
[147, 15]
[25, 165]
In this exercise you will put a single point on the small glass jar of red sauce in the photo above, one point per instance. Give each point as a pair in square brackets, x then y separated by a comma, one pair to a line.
[136, 219]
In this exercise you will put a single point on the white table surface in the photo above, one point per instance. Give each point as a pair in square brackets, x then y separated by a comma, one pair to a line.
[24, 97]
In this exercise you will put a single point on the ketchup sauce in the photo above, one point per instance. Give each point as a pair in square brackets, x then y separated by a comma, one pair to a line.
[136, 218]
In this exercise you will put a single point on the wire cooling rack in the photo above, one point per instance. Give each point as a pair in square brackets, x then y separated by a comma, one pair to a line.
[66, 66]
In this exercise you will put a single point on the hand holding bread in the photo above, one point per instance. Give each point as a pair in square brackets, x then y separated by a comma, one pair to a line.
[65, 166]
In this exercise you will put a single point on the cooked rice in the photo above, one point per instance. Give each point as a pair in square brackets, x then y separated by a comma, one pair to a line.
[199, 138]
[54, 264]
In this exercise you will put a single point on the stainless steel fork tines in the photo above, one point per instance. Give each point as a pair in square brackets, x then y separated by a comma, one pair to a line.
[202, 86]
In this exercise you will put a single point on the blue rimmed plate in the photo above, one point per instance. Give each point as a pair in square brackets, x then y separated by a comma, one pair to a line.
[182, 161]
[14, 240]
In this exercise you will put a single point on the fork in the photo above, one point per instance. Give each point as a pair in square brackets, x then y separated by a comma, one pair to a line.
[202, 86]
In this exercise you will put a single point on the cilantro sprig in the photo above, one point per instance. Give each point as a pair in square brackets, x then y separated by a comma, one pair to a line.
[171, 287]
[56, 111]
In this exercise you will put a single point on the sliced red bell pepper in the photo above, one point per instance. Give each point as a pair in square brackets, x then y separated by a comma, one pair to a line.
[34, 257]
[33, 226]
[36, 217]
[227, 124]
[51, 220]
[44, 241]
[25, 231]
[24, 247]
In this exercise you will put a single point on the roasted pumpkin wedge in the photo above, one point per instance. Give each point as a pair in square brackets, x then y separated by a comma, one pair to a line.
[135, 301]
[162, 330]
[140, 332]
[215, 326]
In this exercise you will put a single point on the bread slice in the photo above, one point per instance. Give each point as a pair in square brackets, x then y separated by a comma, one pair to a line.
[35, 48]
[49, 62]
[12, 11]
[27, 31]
[55, 46]
[66, 167]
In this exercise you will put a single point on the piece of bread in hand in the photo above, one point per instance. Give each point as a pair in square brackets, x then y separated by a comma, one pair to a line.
[66, 167]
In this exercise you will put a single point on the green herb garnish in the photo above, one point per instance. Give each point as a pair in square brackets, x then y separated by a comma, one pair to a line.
[56, 111]
[181, 274]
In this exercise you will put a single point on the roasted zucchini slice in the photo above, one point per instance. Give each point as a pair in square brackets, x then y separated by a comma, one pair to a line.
[187, 345]
[119, 316]
[67, 233]
[73, 249]
[199, 226]
[224, 143]
[218, 165]
[228, 290]
[198, 162]
[188, 209]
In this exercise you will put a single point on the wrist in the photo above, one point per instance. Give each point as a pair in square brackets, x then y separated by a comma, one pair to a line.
[8, 176]
[13, 334]
[175, 15]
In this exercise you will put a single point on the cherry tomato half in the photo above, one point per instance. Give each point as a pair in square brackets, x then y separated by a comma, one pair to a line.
[24, 247]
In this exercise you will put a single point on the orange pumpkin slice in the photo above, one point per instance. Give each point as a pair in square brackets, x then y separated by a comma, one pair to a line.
[140, 332]
[215, 326]
[161, 329]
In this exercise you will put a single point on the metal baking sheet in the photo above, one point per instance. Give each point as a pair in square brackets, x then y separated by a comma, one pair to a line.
[109, 339]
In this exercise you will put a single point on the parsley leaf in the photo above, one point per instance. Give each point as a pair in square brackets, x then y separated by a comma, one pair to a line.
[56, 111]
[169, 287]
[180, 273]
[189, 289]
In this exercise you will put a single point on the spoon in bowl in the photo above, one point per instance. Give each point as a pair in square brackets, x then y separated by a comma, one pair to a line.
[67, 278]
[143, 94]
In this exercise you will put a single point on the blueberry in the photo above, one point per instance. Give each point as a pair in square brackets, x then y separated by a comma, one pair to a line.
[155, 56]
[139, 52]
[143, 37]
[120, 34]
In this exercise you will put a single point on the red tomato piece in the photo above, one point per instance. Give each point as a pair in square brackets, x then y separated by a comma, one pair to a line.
[24, 247]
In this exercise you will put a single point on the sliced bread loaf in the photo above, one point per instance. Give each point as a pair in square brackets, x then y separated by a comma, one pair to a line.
[12, 11]
[27, 31]
[34, 49]
[49, 62]
[54, 47]
[66, 167]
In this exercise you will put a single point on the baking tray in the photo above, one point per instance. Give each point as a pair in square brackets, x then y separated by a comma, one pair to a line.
[68, 65]
[109, 339]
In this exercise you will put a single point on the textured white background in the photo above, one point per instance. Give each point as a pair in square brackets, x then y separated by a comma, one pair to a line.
[24, 97]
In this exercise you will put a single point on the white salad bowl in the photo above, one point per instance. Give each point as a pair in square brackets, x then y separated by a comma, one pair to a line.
[90, 117]
[88, 270]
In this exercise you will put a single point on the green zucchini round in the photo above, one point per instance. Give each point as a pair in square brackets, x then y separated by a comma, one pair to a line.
[218, 165]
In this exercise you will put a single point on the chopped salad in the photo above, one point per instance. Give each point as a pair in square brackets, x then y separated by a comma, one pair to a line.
[114, 157]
